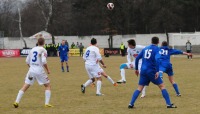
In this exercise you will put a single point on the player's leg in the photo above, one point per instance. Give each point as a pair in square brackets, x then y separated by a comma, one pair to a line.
[66, 61]
[47, 94]
[122, 72]
[88, 82]
[135, 96]
[175, 85]
[99, 83]
[109, 78]
[143, 92]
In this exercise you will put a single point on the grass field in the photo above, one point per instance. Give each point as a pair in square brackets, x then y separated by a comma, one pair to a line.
[68, 99]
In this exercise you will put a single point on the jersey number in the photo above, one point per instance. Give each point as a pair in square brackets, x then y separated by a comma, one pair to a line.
[87, 53]
[147, 54]
[164, 52]
[35, 53]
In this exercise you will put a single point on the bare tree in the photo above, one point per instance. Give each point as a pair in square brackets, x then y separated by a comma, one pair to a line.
[20, 28]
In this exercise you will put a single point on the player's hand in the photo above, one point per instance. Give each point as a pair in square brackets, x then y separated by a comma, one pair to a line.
[104, 66]
[156, 75]
[48, 72]
[136, 72]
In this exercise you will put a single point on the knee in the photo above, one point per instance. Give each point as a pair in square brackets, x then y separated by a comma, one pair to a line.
[123, 66]
[93, 80]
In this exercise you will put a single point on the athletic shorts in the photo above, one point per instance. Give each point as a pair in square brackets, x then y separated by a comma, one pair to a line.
[166, 69]
[147, 77]
[41, 78]
[93, 71]
[63, 58]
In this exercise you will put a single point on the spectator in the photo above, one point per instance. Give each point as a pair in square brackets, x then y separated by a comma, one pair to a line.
[77, 45]
[73, 45]
[81, 47]
[122, 49]
[188, 48]
[66, 43]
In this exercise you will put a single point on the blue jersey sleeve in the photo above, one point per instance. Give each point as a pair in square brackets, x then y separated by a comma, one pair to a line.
[67, 49]
[157, 58]
[59, 48]
[175, 52]
[138, 58]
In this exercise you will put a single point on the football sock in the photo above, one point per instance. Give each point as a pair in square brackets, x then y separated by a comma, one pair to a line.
[62, 68]
[134, 97]
[47, 96]
[110, 80]
[176, 88]
[19, 96]
[166, 96]
[98, 87]
[123, 74]
[87, 83]
[144, 91]
[67, 68]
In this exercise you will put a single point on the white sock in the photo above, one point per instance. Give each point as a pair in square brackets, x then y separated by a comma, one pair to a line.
[110, 79]
[123, 74]
[47, 96]
[98, 87]
[87, 83]
[144, 91]
[19, 96]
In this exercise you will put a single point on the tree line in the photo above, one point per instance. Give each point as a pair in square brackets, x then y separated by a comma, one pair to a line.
[91, 17]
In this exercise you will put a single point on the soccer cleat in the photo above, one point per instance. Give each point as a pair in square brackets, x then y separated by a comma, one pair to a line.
[142, 96]
[82, 89]
[178, 95]
[130, 106]
[48, 106]
[16, 105]
[100, 94]
[115, 84]
[171, 106]
[121, 81]
[67, 70]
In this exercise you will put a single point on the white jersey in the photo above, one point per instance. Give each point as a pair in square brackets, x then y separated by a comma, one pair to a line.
[92, 55]
[133, 53]
[36, 59]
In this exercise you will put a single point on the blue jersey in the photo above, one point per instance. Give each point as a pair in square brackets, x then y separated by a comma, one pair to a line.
[166, 52]
[63, 50]
[150, 59]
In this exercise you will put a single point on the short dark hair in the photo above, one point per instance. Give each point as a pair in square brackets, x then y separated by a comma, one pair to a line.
[164, 43]
[40, 41]
[93, 41]
[131, 42]
[155, 40]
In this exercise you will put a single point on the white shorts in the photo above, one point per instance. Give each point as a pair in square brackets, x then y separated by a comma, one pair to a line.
[41, 78]
[93, 71]
[132, 65]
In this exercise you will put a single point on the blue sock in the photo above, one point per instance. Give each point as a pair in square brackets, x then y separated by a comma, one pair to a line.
[62, 68]
[166, 96]
[176, 88]
[134, 97]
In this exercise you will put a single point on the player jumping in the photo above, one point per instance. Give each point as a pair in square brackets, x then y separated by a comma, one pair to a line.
[36, 60]
[92, 57]
[63, 53]
[150, 72]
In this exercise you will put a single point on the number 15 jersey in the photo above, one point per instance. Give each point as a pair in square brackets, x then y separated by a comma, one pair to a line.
[36, 59]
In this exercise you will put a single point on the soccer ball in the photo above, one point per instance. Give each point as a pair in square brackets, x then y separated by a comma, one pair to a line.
[110, 6]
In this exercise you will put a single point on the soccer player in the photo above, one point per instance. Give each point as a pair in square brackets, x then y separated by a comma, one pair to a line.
[36, 60]
[150, 72]
[63, 53]
[132, 52]
[92, 57]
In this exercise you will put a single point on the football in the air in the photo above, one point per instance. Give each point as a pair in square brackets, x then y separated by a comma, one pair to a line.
[110, 6]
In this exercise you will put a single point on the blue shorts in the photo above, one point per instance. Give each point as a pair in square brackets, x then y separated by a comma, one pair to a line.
[146, 78]
[167, 69]
[63, 58]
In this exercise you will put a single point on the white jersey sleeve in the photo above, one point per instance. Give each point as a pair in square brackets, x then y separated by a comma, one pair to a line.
[44, 57]
[98, 55]
[128, 55]
[28, 59]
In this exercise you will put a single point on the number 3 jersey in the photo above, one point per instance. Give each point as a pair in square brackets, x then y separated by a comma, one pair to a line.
[36, 59]
[92, 55]
[133, 53]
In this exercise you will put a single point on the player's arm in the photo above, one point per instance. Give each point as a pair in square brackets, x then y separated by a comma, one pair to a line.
[177, 52]
[44, 62]
[157, 58]
[28, 60]
[58, 51]
[99, 58]
[137, 62]
[128, 56]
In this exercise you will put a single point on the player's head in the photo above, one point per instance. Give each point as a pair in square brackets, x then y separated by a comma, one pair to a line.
[131, 43]
[93, 41]
[155, 40]
[41, 41]
[164, 43]
[63, 42]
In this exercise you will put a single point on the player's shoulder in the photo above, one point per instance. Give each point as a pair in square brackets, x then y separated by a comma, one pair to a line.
[140, 47]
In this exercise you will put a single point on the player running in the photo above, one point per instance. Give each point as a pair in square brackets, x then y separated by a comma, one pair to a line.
[36, 60]
[132, 52]
[63, 53]
[150, 72]
[92, 57]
